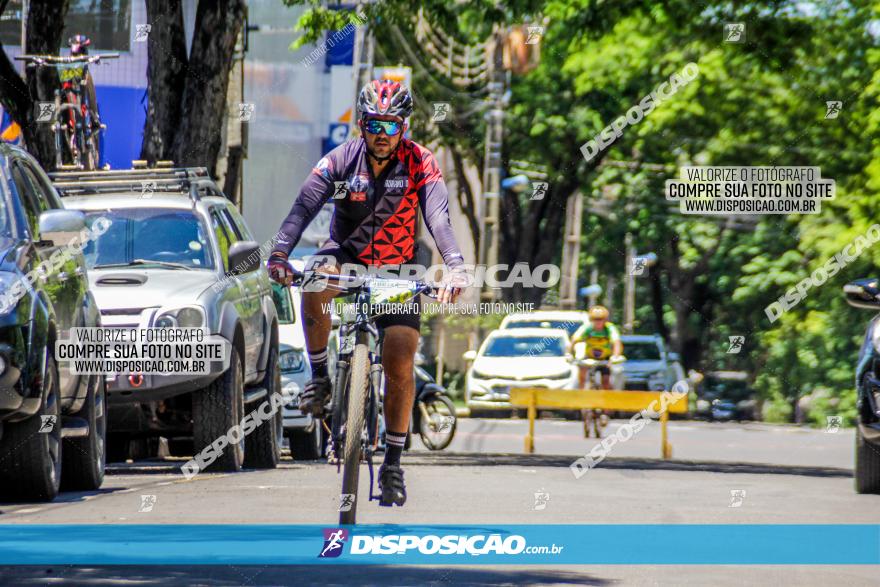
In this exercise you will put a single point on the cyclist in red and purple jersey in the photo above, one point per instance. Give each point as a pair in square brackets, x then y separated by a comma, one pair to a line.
[378, 183]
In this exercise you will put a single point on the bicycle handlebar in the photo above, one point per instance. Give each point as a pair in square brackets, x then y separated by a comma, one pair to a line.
[353, 283]
[601, 362]
[36, 60]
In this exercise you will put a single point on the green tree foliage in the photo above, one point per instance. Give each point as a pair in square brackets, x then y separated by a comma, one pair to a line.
[760, 102]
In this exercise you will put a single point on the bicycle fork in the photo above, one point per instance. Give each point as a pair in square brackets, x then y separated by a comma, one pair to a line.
[376, 375]
[340, 397]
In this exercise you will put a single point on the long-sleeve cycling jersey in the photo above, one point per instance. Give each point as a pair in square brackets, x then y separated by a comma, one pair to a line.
[374, 218]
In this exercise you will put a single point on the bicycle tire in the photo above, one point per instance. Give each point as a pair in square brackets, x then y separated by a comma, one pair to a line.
[445, 440]
[359, 379]
[92, 152]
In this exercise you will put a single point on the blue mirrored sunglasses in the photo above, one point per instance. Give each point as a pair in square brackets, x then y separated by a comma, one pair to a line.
[390, 127]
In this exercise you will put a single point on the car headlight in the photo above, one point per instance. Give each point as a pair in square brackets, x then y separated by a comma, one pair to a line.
[188, 317]
[165, 321]
[291, 362]
[2, 365]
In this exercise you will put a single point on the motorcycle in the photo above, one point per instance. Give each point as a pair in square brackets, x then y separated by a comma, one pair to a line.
[433, 416]
[433, 412]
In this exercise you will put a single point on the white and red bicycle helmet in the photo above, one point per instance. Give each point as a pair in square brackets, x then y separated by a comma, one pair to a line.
[385, 97]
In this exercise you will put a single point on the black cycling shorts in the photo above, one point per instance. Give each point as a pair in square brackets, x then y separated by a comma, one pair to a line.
[404, 314]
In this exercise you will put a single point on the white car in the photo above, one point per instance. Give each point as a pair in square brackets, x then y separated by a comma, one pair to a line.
[518, 357]
[303, 432]
[568, 320]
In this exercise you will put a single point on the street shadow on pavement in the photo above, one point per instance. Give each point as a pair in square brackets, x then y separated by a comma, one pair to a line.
[65, 497]
[331, 574]
[172, 466]
[533, 460]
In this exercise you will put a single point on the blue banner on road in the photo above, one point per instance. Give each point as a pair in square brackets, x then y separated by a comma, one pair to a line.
[673, 544]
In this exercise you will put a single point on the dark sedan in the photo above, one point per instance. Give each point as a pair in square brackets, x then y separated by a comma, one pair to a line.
[52, 425]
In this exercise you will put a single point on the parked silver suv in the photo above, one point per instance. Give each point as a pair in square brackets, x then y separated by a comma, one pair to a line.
[178, 253]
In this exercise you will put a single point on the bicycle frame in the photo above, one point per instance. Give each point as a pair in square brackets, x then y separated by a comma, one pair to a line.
[359, 333]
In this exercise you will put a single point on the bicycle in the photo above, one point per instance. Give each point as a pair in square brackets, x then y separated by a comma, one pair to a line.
[598, 419]
[76, 142]
[355, 408]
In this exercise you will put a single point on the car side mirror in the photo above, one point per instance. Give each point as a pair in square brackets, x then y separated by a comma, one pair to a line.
[244, 257]
[862, 293]
[59, 227]
[469, 355]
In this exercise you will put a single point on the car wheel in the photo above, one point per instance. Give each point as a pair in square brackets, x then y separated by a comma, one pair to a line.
[307, 446]
[85, 458]
[867, 473]
[264, 443]
[217, 409]
[30, 460]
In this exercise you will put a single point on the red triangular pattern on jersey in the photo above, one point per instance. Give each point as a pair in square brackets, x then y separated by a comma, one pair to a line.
[394, 242]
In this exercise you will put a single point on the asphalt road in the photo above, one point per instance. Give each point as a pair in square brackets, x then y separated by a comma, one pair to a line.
[748, 442]
[784, 475]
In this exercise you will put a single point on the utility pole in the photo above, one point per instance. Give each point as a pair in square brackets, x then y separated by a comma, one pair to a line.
[490, 210]
[629, 298]
[635, 265]
[362, 63]
[571, 247]
[594, 278]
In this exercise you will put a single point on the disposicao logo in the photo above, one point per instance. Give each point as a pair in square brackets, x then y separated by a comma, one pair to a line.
[334, 540]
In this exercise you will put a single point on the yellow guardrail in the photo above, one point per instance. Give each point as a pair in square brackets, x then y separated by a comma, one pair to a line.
[535, 398]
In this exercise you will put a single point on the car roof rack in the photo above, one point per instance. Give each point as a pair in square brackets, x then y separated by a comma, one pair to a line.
[191, 181]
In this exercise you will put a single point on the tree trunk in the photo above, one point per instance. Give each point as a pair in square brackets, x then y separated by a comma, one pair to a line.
[466, 197]
[657, 301]
[232, 182]
[531, 232]
[45, 23]
[198, 139]
[166, 77]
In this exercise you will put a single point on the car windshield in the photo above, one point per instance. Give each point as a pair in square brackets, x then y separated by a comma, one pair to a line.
[149, 237]
[570, 326]
[522, 346]
[641, 351]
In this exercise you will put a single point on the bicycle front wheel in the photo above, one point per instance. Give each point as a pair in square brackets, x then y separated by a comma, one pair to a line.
[354, 426]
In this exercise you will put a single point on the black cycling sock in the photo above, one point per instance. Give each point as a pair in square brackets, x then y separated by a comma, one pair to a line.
[394, 442]
[318, 361]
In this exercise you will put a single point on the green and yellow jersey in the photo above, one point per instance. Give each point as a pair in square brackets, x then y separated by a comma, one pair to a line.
[599, 342]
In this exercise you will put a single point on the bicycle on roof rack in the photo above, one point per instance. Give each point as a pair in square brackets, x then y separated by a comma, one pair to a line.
[76, 134]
